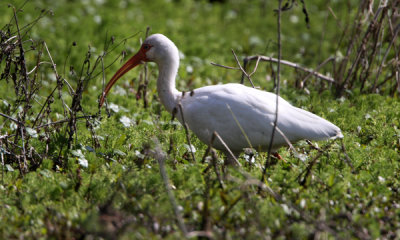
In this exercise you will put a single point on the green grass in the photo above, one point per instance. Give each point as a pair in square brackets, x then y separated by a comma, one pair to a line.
[120, 194]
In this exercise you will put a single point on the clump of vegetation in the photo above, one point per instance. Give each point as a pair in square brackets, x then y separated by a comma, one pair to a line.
[70, 170]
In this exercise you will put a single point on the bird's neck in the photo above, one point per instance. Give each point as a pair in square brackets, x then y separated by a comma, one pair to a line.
[166, 89]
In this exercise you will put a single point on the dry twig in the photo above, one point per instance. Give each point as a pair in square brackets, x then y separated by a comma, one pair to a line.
[267, 162]
[185, 126]
[161, 156]
[293, 65]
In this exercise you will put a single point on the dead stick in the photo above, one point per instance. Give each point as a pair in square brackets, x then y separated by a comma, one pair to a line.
[256, 66]
[243, 71]
[160, 157]
[267, 162]
[23, 149]
[223, 66]
[11, 118]
[146, 77]
[214, 163]
[70, 88]
[317, 68]
[103, 82]
[63, 121]
[385, 56]
[346, 157]
[308, 170]
[290, 64]
[259, 58]
[227, 148]
[185, 126]
[205, 222]
[2, 165]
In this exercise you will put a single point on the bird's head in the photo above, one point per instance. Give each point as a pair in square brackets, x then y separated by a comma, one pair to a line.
[156, 48]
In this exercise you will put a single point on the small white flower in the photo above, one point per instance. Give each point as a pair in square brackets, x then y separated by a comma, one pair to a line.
[294, 19]
[190, 148]
[139, 154]
[342, 99]
[301, 156]
[286, 209]
[83, 162]
[114, 107]
[302, 203]
[180, 208]
[9, 168]
[119, 90]
[31, 132]
[127, 122]
[189, 69]
[77, 153]
[381, 179]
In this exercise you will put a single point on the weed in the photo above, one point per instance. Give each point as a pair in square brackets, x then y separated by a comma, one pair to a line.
[70, 171]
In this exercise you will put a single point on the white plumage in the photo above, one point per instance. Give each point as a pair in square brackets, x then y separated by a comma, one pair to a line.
[239, 114]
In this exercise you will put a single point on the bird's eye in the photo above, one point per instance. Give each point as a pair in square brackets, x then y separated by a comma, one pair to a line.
[146, 47]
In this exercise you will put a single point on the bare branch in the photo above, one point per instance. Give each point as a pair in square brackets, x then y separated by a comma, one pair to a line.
[63, 121]
[347, 159]
[223, 66]
[308, 170]
[11, 118]
[2, 163]
[291, 64]
[146, 77]
[70, 88]
[160, 156]
[25, 163]
[227, 148]
[384, 57]
[267, 162]
[214, 163]
[317, 68]
[243, 71]
[256, 66]
[186, 131]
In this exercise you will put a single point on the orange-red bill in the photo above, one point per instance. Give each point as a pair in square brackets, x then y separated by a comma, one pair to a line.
[131, 63]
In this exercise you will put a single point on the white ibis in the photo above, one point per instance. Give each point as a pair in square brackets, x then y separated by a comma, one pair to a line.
[242, 116]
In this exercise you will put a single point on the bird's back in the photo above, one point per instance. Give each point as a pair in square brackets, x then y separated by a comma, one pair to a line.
[243, 117]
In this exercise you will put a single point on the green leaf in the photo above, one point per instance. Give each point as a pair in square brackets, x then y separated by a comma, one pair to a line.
[119, 141]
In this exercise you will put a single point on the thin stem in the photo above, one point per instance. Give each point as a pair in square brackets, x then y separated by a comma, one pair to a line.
[240, 67]
[293, 65]
[259, 58]
[227, 148]
[146, 77]
[2, 166]
[11, 118]
[223, 66]
[186, 131]
[160, 157]
[267, 163]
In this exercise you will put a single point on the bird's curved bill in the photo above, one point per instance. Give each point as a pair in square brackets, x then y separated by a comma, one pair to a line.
[131, 63]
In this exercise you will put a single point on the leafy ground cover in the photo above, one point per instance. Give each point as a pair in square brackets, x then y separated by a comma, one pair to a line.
[72, 171]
